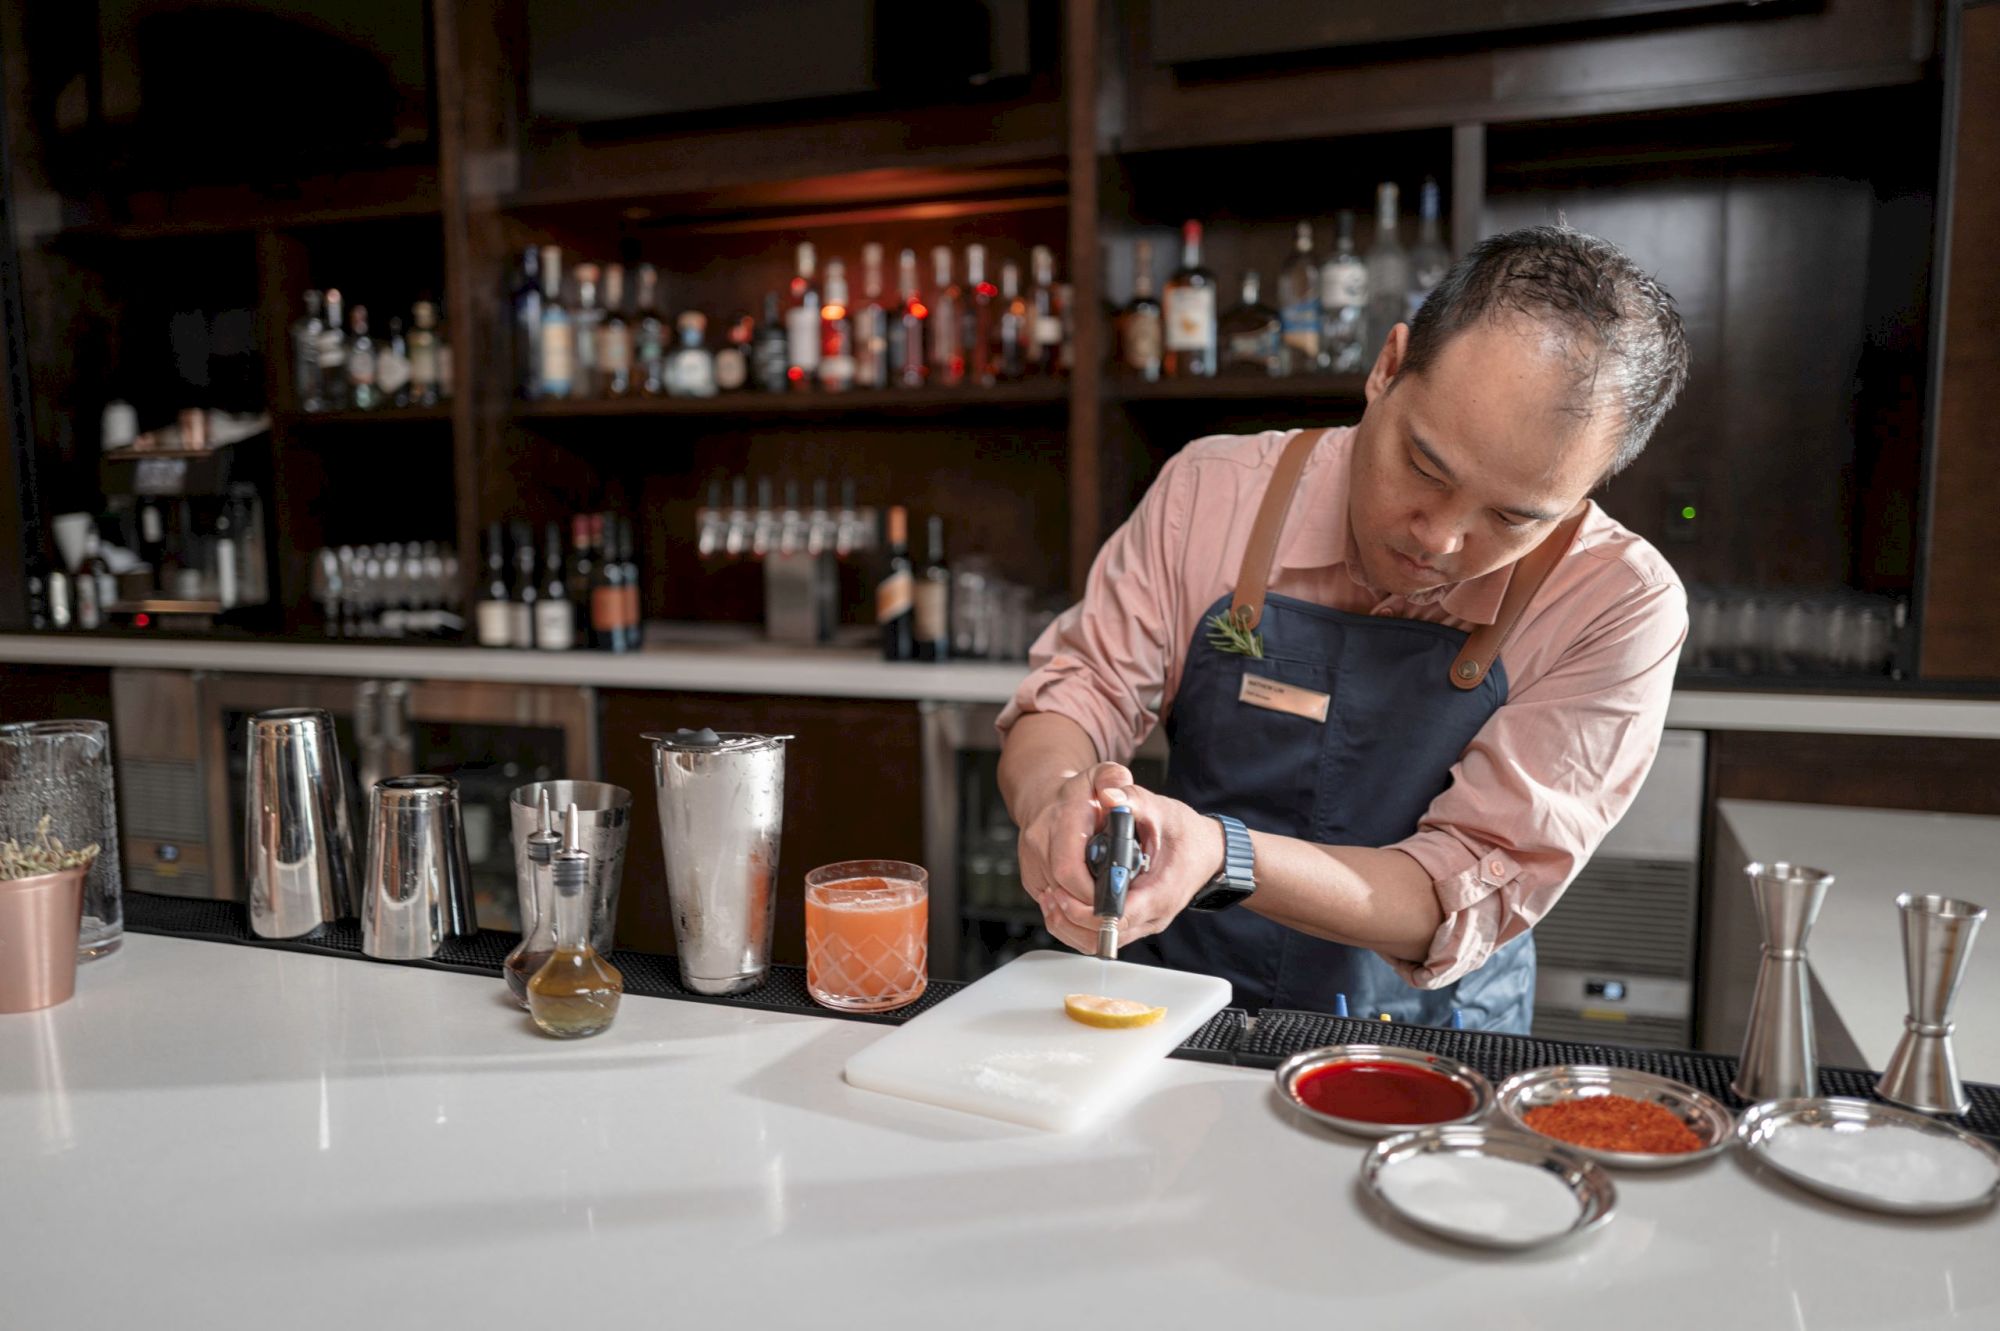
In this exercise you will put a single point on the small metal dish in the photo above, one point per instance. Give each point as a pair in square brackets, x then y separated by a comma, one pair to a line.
[1588, 1182]
[1706, 1116]
[1476, 1086]
[1761, 1125]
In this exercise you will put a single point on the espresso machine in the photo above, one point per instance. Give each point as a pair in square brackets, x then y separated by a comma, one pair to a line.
[197, 524]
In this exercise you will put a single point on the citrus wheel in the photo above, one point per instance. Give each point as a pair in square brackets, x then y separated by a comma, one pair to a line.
[1111, 1014]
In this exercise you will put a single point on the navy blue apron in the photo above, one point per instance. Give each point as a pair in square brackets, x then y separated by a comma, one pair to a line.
[1394, 727]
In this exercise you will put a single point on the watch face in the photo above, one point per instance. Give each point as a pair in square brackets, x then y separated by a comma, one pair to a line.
[1219, 896]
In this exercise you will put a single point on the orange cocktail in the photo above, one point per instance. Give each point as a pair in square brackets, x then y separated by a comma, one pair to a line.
[867, 934]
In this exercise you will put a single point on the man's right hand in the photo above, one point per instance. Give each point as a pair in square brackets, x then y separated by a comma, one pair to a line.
[1057, 835]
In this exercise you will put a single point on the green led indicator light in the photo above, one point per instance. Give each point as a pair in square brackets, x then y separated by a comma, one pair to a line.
[1687, 513]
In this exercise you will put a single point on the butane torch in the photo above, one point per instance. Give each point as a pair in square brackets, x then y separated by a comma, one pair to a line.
[1115, 860]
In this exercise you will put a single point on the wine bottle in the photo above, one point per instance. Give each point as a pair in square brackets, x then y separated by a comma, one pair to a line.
[895, 595]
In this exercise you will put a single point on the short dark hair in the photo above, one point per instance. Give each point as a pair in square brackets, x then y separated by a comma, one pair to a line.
[1614, 318]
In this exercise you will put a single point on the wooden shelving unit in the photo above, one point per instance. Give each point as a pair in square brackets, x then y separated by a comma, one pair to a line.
[886, 403]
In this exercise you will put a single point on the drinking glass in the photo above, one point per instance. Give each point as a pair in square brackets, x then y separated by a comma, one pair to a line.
[867, 934]
[62, 769]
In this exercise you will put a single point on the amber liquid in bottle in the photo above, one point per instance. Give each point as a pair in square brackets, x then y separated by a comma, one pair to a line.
[576, 992]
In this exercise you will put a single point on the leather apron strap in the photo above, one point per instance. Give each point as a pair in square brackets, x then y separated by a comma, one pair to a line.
[1483, 644]
[1253, 579]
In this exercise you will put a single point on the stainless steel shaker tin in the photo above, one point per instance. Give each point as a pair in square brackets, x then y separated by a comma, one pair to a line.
[419, 886]
[298, 843]
[722, 807]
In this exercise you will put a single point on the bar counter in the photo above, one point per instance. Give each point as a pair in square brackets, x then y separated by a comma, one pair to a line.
[730, 663]
[216, 1136]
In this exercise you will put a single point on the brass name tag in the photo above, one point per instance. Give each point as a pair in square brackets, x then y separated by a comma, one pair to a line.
[1276, 697]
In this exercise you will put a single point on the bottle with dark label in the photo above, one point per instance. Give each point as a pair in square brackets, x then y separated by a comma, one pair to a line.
[1298, 303]
[522, 621]
[1012, 329]
[933, 599]
[981, 299]
[607, 594]
[802, 318]
[909, 362]
[631, 617]
[555, 619]
[582, 571]
[772, 355]
[493, 616]
[614, 337]
[1139, 321]
[1252, 334]
[527, 303]
[895, 595]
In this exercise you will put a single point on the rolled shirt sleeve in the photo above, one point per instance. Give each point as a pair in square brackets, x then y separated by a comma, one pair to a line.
[1105, 663]
[1551, 771]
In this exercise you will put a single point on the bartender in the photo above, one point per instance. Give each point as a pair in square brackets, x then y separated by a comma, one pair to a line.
[1410, 673]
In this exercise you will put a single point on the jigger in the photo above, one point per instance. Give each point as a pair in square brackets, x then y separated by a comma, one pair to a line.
[1779, 1058]
[1937, 937]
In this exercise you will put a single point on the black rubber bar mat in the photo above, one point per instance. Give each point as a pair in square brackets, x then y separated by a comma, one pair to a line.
[646, 974]
[1278, 1034]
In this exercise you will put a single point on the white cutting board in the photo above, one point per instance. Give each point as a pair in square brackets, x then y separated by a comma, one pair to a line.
[1002, 1046]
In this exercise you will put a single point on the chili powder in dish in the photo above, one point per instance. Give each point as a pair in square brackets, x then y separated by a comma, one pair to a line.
[1615, 1123]
[1380, 1092]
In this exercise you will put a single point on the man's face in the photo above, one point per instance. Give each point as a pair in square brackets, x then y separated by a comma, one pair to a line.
[1466, 466]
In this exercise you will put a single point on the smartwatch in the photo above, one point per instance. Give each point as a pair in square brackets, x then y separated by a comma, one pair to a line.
[1238, 877]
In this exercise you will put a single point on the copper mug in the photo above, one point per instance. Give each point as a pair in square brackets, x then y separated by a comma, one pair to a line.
[39, 920]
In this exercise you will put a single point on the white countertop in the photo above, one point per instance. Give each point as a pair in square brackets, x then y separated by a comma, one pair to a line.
[731, 665]
[211, 1136]
[1856, 945]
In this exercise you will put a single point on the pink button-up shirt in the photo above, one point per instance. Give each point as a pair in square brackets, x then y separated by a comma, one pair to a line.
[1590, 668]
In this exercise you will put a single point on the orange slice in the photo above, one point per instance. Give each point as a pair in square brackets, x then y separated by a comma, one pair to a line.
[1111, 1014]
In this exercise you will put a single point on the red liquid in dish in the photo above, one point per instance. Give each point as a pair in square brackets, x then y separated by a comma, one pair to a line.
[1383, 1093]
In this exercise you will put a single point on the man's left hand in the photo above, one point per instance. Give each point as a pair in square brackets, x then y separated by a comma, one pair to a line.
[1185, 850]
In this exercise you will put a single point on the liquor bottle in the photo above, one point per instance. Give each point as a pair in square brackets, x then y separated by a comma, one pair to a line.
[771, 357]
[607, 593]
[1014, 327]
[424, 378]
[980, 298]
[306, 330]
[1252, 334]
[1298, 304]
[651, 371]
[614, 337]
[521, 621]
[933, 599]
[909, 364]
[392, 367]
[732, 358]
[94, 587]
[802, 317]
[836, 332]
[361, 392]
[555, 618]
[1066, 318]
[1343, 303]
[691, 370]
[895, 595]
[1188, 313]
[947, 325]
[582, 573]
[1140, 336]
[1429, 260]
[1046, 332]
[558, 337]
[333, 353]
[526, 301]
[1388, 270]
[493, 615]
[631, 616]
[585, 318]
[61, 592]
[871, 324]
[441, 336]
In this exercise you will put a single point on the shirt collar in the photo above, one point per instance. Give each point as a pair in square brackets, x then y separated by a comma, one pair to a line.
[1319, 535]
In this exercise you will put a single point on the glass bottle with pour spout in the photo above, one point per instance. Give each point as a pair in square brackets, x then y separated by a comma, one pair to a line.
[538, 925]
[576, 991]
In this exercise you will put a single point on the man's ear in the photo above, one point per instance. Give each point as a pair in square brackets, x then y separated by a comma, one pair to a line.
[1388, 362]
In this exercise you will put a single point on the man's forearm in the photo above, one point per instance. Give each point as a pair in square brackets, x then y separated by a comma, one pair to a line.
[1382, 900]
[1042, 751]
